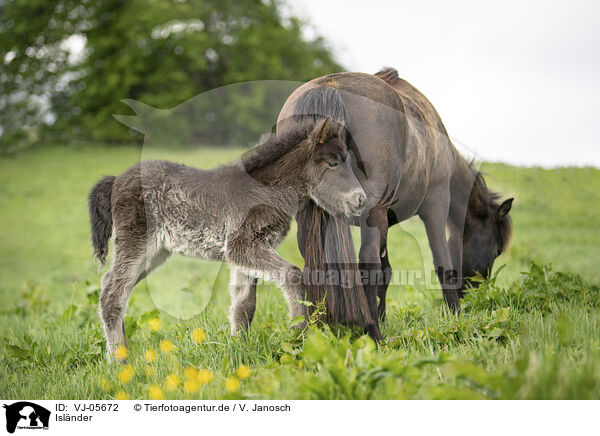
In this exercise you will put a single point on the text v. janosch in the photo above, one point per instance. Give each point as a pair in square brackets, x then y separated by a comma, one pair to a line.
[236, 407]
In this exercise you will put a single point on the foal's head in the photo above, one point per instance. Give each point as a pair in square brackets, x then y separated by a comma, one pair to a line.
[488, 228]
[333, 185]
[313, 159]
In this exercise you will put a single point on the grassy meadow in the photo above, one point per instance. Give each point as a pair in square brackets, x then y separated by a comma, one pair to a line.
[533, 331]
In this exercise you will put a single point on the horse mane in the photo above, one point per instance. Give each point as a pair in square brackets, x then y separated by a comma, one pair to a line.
[389, 74]
[491, 202]
[320, 102]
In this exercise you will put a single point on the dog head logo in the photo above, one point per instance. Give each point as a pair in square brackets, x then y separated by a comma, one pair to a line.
[26, 415]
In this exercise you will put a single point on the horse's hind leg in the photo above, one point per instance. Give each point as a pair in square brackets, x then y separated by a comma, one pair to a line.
[242, 288]
[130, 266]
[117, 285]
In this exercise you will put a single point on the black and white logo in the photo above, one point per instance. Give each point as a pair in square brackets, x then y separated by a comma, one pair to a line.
[26, 415]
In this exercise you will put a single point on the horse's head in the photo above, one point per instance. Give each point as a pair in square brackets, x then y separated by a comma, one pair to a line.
[333, 185]
[487, 231]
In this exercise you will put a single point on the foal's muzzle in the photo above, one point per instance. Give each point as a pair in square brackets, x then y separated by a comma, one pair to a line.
[356, 202]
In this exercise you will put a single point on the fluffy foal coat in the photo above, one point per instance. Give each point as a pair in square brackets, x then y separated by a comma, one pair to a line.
[236, 213]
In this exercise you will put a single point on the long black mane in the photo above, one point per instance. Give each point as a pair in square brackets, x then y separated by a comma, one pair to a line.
[320, 102]
[327, 246]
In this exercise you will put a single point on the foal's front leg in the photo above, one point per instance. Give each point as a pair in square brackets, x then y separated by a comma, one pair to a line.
[260, 260]
[242, 288]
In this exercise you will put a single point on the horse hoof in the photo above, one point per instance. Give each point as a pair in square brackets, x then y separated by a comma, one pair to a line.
[373, 331]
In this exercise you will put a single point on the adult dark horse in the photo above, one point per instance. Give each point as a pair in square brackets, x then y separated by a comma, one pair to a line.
[407, 166]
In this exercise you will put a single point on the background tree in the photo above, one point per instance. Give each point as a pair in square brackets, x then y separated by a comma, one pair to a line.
[161, 52]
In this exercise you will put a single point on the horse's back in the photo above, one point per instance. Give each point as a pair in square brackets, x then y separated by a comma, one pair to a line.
[399, 137]
[430, 154]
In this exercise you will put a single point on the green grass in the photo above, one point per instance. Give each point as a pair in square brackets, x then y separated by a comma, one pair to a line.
[520, 336]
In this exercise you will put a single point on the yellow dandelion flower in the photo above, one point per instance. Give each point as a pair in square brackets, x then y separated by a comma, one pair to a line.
[150, 356]
[105, 385]
[286, 359]
[191, 386]
[155, 324]
[198, 336]
[172, 381]
[155, 392]
[150, 371]
[121, 352]
[191, 373]
[243, 372]
[126, 374]
[232, 384]
[166, 346]
[121, 395]
[205, 376]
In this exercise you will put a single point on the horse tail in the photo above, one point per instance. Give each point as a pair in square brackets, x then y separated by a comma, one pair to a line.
[99, 202]
[330, 270]
[388, 74]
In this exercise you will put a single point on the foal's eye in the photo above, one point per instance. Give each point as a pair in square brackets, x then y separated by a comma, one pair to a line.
[333, 164]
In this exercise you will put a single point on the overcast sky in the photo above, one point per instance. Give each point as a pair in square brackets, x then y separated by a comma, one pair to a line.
[514, 81]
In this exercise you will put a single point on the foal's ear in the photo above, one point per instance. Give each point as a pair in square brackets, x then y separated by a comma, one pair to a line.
[322, 132]
[504, 208]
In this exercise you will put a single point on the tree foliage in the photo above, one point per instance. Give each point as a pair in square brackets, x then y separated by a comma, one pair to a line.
[161, 52]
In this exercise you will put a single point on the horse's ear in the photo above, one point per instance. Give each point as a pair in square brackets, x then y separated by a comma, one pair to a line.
[477, 204]
[504, 208]
[322, 132]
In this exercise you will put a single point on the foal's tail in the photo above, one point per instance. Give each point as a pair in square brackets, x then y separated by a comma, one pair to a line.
[101, 216]
[330, 269]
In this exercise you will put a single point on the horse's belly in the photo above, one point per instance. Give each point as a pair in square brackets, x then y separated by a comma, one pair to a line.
[406, 205]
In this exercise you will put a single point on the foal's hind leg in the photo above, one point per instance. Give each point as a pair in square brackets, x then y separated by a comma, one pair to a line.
[130, 266]
[242, 288]
[117, 285]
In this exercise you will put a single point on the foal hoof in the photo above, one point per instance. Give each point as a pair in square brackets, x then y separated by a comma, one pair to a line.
[117, 354]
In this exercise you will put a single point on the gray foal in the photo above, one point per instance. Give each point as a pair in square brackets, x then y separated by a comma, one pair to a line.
[237, 213]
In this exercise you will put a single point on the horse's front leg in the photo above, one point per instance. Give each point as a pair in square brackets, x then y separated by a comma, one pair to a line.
[373, 231]
[434, 214]
[386, 268]
[259, 259]
[455, 244]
